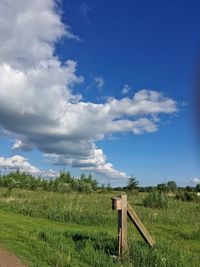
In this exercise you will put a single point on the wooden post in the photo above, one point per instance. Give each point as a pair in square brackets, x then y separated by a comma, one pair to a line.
[120, 204]
[122, 225]
[124, 209]
[140, 226]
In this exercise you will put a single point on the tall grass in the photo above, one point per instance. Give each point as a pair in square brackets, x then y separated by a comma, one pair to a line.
[156, 199]
[83, 230]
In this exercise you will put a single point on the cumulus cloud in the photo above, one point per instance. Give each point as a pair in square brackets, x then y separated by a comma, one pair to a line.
[195, 180]
[37, 99]
[19, 162]
[29, 30]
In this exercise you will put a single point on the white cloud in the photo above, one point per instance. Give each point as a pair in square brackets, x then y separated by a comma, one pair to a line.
[15, 162]
[37, 102]
[21, 145]
[29, 30]
[126, 89]
[99, 81]
[195, 180]
[19, 162]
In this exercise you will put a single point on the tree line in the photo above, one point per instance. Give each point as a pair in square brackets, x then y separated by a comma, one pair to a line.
[64, 183]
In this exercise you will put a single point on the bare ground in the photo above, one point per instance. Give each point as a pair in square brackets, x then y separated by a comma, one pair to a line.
[7, 259]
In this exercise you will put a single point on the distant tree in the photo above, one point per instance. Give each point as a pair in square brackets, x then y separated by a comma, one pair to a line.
[172, 186]
[83, 177]
[163, 187]
[65, 177]
[132, 183]
[89, 180]
[198, 188]
[150, 188]
[188, 188]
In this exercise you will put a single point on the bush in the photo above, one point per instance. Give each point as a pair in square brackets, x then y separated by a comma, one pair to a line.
[187, 196]
[81, 186]
[156, 199]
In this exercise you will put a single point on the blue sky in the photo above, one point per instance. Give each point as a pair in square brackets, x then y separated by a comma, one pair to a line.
[116, 49]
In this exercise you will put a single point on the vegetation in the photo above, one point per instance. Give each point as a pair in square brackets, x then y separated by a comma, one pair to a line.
[156, 199]
[198, 187]
[62, 225]
[132, 183]
[187, 196]
[63, 183]
[78, 229]
[172, 186]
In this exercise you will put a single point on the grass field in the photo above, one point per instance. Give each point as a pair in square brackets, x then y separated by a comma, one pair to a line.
[52, 229]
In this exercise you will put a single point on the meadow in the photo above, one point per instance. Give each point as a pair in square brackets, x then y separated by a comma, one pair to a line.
[80, 229]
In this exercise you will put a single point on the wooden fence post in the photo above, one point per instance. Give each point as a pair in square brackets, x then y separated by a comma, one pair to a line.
[124, 209]
[120, 204]
[140, 226]
[122, 225]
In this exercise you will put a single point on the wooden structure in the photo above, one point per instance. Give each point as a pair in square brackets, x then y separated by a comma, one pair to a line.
[124, 208]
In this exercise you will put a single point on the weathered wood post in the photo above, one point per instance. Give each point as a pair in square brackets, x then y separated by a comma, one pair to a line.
[120, 204]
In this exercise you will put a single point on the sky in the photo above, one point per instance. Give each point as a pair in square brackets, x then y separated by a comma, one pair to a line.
[101, 87]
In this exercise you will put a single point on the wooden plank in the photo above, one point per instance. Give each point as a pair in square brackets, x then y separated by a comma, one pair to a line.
[122, 225]
[116, 203]
[139, 225]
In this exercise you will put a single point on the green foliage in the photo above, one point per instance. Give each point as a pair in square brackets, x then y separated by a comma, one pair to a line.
[172, 186]
[163, 187]
[189, 188]
[187, 196]
[88, 236]
[193, 235]
[78, 229]
[132, 183]
[147, 189]
[198, 188]
[161, 256]
[156, 199]
[62, 184]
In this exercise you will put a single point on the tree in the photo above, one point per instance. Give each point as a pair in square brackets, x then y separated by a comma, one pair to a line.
[88, 179]
[163, 187]
[198, 187]
[172, 186]
[65, 177]
[132, 183]
[188, 188]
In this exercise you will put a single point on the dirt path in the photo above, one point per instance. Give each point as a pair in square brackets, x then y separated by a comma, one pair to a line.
[7, 259]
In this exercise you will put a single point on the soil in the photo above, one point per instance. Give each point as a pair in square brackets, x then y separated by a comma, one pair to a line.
[7, 259]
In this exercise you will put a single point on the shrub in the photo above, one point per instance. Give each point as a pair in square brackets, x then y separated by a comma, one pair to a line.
[156, 199]
[81, 186]
[187, 196]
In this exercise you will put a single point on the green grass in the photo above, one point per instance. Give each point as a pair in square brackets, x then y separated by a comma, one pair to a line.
[52, 229]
